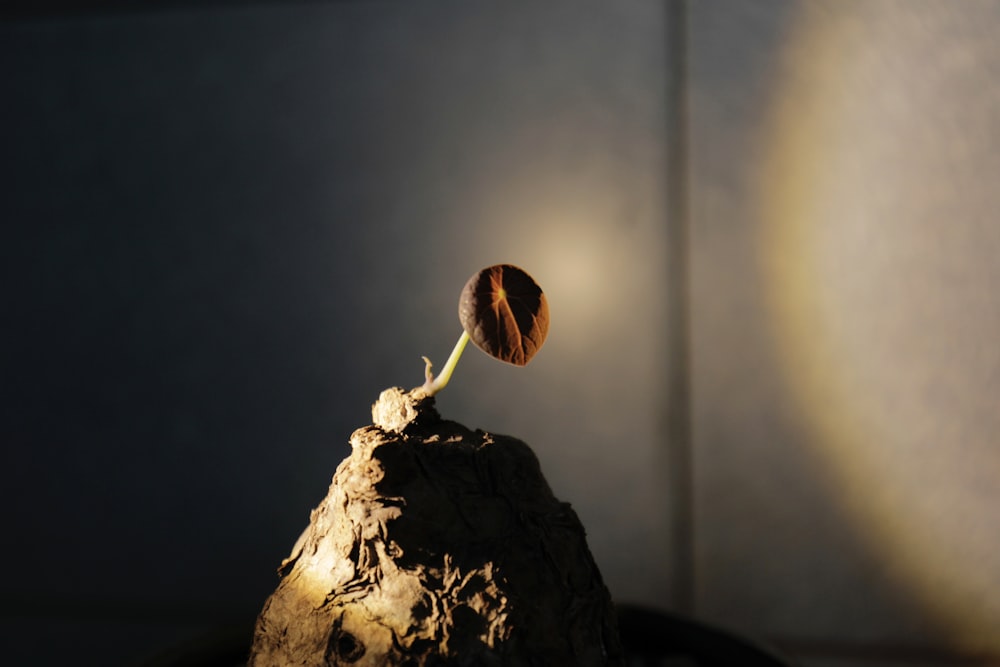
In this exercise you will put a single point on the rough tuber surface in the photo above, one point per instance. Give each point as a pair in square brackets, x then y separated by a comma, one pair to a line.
[438, 545]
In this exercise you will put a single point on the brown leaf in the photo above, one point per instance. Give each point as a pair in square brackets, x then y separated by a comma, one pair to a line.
[505, 313]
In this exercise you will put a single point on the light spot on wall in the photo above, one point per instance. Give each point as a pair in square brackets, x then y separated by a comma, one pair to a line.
[880, 257]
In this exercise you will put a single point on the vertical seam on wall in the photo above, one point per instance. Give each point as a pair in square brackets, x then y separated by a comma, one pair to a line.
[678, 409]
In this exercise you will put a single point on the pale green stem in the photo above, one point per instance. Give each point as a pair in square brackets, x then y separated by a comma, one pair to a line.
[434, 385]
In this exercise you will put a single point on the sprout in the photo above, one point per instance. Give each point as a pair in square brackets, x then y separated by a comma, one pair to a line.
[504, 312]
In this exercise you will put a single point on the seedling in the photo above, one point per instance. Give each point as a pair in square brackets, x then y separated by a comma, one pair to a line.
[504, 312]
[399, 563]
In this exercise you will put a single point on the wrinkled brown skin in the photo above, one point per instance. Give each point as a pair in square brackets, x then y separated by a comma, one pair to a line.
[438, 545]
[505, 313]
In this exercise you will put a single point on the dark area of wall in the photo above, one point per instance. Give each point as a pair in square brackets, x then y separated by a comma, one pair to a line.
[227, 228]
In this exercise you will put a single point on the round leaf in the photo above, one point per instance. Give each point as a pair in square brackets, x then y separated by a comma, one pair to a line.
[505, 313]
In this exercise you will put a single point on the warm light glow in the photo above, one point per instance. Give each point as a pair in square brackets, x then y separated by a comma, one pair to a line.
[590, 231]
[861, 347]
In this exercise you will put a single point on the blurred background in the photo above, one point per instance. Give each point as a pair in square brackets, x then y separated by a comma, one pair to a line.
[771, 388]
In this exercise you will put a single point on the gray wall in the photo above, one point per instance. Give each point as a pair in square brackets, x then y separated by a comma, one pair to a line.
[230, 228]
[766, 231]
[846, 324]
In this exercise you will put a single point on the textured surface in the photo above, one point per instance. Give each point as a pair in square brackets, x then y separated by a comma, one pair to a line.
[438, 545]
